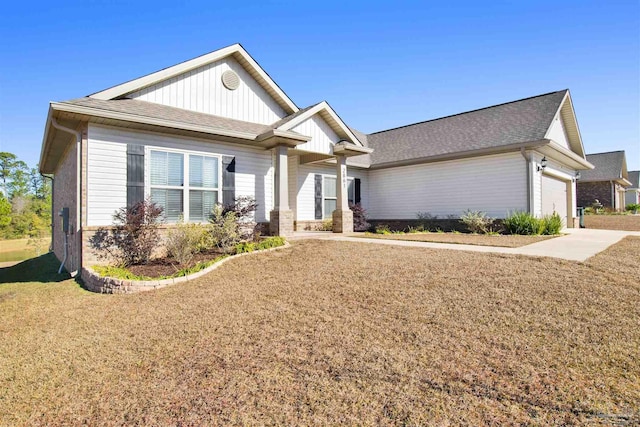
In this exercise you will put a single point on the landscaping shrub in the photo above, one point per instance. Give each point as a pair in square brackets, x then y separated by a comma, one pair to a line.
[551, 224]
[134, 234]
[523, 223]
[425, 216]
[224, 228]
[243, 207]
[383, 229]
[268, 243]
[327, 225]
[185, 240]
[633, 207]
[359, 217]
[476, 221]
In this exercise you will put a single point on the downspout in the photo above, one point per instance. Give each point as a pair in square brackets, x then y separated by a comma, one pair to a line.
[78, 136]
[527, 157]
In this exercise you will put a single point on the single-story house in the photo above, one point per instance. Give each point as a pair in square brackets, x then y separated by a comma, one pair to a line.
[606, 182]
[218, 127]
[632, 193]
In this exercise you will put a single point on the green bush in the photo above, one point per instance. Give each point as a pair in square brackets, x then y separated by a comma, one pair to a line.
[383, 229]
[476, 221]
[552, 224]
[633, 207]
[523, 223]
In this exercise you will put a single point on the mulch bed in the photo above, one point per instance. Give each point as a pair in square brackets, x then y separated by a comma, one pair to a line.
[500, 240]
[168, 265]
[613, 222]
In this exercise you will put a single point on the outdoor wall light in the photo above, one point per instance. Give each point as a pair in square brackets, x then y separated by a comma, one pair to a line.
[578, 176]
[543, 164]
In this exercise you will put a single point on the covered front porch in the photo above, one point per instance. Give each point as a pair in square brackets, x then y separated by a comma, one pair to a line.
[299, 192]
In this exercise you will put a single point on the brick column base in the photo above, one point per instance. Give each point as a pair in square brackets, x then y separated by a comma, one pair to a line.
[281, 223]
[343, 221]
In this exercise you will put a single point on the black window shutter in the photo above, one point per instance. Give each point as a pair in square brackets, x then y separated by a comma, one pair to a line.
[228, 180]
[357, 191]
[135, 174]
[318, 193]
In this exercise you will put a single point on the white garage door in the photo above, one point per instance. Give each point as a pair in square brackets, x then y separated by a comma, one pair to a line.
[554, 197]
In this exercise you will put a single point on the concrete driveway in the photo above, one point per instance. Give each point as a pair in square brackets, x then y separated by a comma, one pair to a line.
[576, 245]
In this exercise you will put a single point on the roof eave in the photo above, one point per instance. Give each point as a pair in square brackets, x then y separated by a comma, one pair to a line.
[154, 121]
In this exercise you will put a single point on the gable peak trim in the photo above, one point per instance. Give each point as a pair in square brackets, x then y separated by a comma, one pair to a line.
[236, 50]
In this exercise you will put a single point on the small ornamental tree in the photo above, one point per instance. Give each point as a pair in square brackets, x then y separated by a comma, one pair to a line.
[132, 237]
[359, 217]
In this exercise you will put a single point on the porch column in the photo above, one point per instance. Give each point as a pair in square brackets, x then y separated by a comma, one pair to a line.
[281, 217]
[342, 216]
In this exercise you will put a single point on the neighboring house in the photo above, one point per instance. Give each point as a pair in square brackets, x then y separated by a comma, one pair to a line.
[606, 182]
[218, 127]
[632, 193]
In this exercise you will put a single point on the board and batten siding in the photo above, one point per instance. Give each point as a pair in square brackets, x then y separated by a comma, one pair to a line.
[557, 133]
[322, 136]
[494, 184]
[202, 90]
[305, 200]
[107, 169]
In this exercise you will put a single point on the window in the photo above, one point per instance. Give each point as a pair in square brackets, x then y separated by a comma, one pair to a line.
[330, 198]
[184, 184]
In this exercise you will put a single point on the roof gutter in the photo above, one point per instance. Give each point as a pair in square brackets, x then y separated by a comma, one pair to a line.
[78, 136]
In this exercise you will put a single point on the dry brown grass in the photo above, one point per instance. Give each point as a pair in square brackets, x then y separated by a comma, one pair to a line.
[501, 240]
[613, 222]
[334, 333]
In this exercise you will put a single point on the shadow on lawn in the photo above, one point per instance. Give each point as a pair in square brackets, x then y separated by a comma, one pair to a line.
[39, 269]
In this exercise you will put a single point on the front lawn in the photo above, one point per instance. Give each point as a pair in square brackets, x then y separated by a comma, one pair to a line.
[613, 222]
[501, 240]
[331, 333]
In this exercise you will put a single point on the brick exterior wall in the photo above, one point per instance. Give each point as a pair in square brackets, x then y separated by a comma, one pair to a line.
[64, 196]
[588, 192]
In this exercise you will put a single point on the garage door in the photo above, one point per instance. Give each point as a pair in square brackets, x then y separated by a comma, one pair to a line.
[554, 197]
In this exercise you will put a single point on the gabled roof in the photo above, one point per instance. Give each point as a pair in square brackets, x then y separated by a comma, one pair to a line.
[236, 50]
[610, 166]
[503, 126]
[149, 116]
[328, 115]
[634, 179]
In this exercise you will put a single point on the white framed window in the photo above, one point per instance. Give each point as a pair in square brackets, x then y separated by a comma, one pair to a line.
[330, 197]
[184, 184]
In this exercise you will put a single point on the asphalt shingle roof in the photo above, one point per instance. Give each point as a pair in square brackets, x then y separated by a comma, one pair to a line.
[526, 120]
[634, 177]
[158, 111]
[608, 166]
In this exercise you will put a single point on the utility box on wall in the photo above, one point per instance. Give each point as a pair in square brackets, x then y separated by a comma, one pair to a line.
[64, 213]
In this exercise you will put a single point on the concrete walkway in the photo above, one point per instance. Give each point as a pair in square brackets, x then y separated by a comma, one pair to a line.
[577, 245]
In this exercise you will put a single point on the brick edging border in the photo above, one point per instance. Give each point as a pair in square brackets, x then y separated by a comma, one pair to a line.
[111, 285]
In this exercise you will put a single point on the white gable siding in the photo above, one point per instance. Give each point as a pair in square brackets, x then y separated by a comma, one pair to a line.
[202, 90]
[556, 170]
[557, 133]
[322, 136]
[493, 184]
[305, 200]
[107, 174]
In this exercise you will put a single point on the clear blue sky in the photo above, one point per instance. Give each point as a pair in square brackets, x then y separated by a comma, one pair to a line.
[380, 65]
